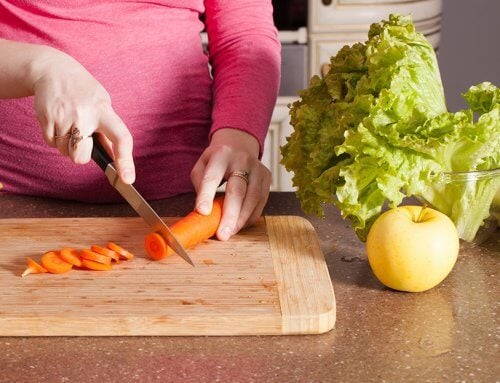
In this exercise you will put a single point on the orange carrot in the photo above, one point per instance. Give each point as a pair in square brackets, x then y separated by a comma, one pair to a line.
[71, 256]
[33, 268]
[155, 246]
[97, 266]
[104, 251]
[54, 264]
[120, 250]
[191, 230]
[96, 257]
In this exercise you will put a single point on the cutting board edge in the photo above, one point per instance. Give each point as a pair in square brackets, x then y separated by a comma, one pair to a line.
[149, 326]
[319, 315]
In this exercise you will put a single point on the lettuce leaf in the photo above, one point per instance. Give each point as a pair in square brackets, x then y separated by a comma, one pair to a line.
[376, 129]
[475, 146]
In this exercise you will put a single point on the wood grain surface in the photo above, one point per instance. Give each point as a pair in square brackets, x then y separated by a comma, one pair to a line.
[269, 279]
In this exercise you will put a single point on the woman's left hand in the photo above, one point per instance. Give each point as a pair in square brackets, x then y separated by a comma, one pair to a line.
[232, 150]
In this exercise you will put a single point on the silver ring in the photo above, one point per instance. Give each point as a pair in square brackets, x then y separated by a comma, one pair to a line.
[241, 174]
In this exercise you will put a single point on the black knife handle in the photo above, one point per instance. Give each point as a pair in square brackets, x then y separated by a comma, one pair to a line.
[99, 154]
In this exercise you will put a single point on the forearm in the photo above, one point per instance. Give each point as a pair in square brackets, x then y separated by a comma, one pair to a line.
[245, 88]
[20, 67]
[245, 56]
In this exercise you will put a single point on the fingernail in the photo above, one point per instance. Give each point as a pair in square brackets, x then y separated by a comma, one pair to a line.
[128, 176]
[226, 233]
[204, 208]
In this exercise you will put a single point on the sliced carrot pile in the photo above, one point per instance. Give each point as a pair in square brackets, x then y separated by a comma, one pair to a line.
[33, 268]
[97, 258]
[190, 230]
[53, 263]
[97, 266]
[71, 256]
[120, 250]
[105, 251]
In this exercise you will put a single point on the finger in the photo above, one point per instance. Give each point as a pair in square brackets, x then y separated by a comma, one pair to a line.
[48, 132]
[198, 171]
[82, 152]
[257, 213]
[63, 121]
[61, 129]
[105, 143]
[250, 202]
[256, 198]
[210, 180]
[47, 126]
[236, 189]
[116, 131]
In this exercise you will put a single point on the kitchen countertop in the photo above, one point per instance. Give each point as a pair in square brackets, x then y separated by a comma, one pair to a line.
[447, 334]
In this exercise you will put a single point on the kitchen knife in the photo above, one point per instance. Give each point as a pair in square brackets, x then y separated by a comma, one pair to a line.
[134, 198]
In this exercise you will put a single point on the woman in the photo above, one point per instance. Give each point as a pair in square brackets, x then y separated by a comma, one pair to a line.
[135, 73]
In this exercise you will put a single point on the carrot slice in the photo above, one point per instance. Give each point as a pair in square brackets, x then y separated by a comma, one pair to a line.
[104, 251]
[155, 246]
[71, 256]
[96, 257]
[190, 230]
[120, 250]
[33, 268]
[97, 266]
[54, 264]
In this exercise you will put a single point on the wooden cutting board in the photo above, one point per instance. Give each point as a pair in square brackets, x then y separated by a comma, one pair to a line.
[268, 279]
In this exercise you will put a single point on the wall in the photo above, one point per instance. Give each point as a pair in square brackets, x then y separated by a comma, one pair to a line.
[469, 49]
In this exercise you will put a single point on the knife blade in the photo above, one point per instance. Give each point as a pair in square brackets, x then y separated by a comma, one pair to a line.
[135, 199]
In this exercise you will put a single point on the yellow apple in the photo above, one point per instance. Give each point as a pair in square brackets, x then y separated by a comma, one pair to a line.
[412, 248]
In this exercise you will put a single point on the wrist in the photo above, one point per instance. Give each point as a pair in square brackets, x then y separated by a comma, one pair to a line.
[20, 66]
[236, 138]
[45, 61]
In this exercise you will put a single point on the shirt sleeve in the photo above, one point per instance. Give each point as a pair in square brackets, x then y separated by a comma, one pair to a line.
[245, 55]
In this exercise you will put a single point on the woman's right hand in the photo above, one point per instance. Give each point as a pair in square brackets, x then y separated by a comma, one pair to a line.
[68, 96]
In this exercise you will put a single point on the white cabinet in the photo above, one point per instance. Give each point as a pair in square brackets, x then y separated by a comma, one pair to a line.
[331, 25]
[279, 129]
[335, 23]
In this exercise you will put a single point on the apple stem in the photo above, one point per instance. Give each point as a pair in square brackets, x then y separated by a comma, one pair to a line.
[422, 212]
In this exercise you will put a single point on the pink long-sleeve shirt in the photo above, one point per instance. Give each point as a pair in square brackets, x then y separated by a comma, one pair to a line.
[149, 57]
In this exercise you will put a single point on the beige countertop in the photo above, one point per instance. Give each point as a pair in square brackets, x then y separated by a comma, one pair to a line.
[447, 334]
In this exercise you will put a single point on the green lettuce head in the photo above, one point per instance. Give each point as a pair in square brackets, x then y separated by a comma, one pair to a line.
[376, 129]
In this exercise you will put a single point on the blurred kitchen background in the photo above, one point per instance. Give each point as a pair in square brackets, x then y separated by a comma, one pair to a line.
[469, 49]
